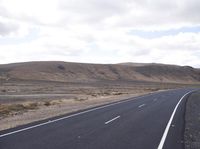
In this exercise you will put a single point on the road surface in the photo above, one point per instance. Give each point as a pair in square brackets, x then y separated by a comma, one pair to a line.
[136, 123]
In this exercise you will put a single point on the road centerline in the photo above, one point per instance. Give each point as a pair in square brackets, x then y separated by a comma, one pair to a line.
[140, 106]
[112, 120]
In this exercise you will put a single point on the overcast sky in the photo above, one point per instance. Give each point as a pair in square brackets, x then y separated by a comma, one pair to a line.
[100, 31]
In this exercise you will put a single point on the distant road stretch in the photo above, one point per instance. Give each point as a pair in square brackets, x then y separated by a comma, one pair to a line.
[146, 122]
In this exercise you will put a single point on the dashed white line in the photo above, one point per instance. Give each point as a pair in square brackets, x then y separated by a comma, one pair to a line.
[141, 106]
[112, 120]
[162, 141]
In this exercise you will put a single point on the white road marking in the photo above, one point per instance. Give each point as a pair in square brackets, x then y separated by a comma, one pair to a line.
[69, 116]
[162, 141]
[141, 105]
[172, 125]
[112, 120]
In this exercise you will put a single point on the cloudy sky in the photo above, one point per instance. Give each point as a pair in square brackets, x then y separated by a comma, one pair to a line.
[100, 31]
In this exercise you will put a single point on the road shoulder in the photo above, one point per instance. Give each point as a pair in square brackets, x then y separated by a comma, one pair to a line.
[192, 122]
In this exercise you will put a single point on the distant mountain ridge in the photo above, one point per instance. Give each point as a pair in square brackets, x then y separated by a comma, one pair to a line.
[78, 72]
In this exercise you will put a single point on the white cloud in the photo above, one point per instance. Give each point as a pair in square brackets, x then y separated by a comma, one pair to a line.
[98, 31]
[7, 29]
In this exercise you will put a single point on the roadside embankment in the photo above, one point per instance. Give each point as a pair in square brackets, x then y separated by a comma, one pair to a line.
[192, 122]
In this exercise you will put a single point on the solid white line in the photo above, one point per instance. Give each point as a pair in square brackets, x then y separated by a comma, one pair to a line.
[112, 120]
[141, 105]
[162, 141]
[66, 117]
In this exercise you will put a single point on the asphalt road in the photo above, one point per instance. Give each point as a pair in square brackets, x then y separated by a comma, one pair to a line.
[137, 123]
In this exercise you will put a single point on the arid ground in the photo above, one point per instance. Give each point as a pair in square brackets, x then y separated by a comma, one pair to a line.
[192, 122]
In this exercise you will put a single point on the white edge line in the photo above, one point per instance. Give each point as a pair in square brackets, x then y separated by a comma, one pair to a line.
[112, 120]
[62, 118]
[162, 141]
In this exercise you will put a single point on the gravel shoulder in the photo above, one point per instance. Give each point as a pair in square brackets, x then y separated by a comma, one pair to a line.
[192, 122]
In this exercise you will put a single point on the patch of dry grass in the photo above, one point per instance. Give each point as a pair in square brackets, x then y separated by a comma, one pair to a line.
[9, 109]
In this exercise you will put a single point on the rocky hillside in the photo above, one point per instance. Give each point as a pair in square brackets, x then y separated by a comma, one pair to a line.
[79, 72]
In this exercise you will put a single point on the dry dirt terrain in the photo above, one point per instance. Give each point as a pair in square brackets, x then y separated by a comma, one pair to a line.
[38, 90]
[192, 122]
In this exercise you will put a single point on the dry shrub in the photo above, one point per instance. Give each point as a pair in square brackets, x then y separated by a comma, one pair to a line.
[16, 108]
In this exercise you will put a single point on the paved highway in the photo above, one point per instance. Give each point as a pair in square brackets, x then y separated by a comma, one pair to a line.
[146, 122]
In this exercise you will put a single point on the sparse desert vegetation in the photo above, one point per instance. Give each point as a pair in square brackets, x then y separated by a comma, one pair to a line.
[13, 109]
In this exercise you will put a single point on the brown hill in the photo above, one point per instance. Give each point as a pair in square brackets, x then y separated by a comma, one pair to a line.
[79, 72]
